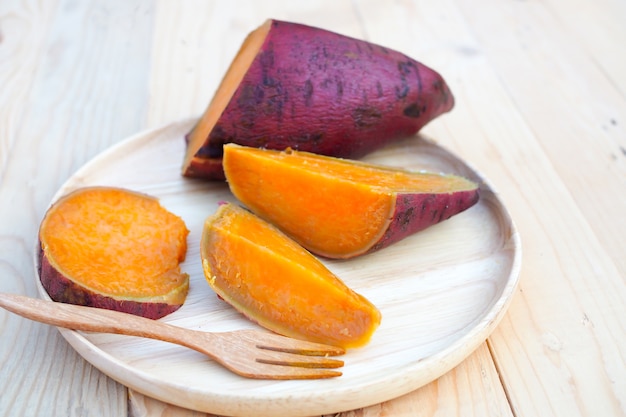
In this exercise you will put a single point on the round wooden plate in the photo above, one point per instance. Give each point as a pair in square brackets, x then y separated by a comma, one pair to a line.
[441, 292]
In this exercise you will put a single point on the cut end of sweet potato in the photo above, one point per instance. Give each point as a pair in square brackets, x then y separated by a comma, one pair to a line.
[205, 161]
[292, 85]
[116, 249]
[278, 284]
[341, 208]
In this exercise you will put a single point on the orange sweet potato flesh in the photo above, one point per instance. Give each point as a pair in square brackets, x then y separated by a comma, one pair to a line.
[292, 85]
[114, 248]
[275, 282]
[340, 208]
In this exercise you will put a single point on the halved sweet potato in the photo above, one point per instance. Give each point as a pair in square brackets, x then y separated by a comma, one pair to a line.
[116, 249]
[278, 284]
[306, 88]
[340, 208]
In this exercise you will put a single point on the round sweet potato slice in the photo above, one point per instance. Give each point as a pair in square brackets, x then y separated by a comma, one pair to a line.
[116, 249]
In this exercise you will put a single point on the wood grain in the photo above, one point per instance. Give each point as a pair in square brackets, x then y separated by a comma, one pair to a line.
[55, 97]
[540, 90]
[548, 166]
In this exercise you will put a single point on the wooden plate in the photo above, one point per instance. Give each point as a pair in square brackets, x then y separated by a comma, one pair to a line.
[441, 293]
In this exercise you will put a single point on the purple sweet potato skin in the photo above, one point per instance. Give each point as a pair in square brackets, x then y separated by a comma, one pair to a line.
[416, 212]
[64, 290]
[322, 92]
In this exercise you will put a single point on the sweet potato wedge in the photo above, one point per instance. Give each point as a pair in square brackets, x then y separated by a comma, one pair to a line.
[313, 90]
[340, 208]
[278, 284]
[116, 249]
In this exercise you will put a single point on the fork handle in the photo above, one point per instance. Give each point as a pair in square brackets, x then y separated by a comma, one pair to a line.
[91, 319]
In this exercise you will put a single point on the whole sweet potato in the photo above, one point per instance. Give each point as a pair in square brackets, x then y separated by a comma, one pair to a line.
[313, 90]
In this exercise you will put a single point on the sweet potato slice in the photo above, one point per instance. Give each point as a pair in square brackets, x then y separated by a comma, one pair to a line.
[306, 88]
[275, 282]
[116, 249]
[340, 208]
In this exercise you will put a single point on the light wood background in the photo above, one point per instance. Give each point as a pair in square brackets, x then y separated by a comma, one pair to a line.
[540, 89]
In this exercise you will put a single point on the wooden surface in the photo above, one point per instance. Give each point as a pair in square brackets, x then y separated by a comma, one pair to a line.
[540, 91]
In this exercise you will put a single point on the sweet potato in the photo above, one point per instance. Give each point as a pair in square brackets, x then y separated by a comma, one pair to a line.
[275, 282]
[313, 90]
[116, 249]
[340, 208]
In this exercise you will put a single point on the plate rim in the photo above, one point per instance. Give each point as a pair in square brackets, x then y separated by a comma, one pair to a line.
[448, 358]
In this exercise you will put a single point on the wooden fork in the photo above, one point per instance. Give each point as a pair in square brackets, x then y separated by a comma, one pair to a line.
[249, 353]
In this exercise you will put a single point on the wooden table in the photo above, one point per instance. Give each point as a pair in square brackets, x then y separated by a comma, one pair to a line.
[540, 109]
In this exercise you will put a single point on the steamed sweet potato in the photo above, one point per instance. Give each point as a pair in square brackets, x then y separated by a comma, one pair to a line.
[275, 282]
[341, 208]
[313, 90]
[116, 249]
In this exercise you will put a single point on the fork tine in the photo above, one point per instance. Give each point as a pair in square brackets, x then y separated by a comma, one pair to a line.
[304, 361]
[278, 343]
[278, 357]
[281, 372]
